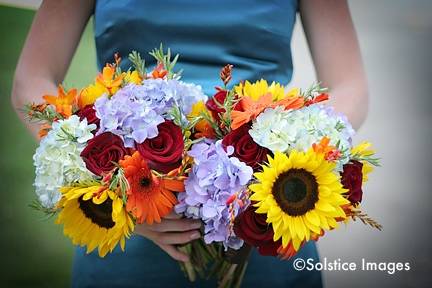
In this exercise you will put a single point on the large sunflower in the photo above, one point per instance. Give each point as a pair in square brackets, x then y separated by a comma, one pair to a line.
[259, 88]
[301, 196]
[94, 217]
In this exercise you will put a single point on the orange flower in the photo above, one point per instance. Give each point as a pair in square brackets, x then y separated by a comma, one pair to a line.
[108, 79]
[204, 129]
[149, 197]
[331, 152]
[251, 109]
[63, 102]
[320, 98]
[159, 71]
[288, 103]
[43, 131]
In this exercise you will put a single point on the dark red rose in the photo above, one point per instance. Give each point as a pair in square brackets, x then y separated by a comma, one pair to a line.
[255, 231]
[245, 149]
[214, 107]
[102, 152]
[164, 152]
[352, 179]
[89, 113]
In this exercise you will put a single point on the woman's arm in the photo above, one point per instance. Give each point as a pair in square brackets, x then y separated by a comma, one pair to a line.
[336, 55]
[48, 50]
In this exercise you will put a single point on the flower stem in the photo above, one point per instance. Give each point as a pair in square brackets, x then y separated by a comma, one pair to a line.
[187, 267]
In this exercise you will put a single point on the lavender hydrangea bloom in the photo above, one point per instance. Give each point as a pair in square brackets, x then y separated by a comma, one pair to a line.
[166, 93]
[134, 112]
[214, 178]
[129, 115]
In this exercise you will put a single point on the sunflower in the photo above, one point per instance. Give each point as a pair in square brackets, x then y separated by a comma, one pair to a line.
[94, 217]
[261, 87]
[149, 197]
[301, 195]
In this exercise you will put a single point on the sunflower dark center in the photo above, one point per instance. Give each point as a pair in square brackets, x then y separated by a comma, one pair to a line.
[98, 214]
[296, 191]
[145, 182]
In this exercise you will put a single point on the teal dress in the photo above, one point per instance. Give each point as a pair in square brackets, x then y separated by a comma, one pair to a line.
[254, 36]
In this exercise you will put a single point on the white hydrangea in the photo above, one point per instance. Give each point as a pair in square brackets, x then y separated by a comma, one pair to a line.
[57, 159]
[280, 130]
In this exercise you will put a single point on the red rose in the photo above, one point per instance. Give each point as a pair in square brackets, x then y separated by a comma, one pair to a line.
[89, 113]
[245, 149]
[215, 108]
[255, 231]
[102, 152]
[352, 179]
[164, 152]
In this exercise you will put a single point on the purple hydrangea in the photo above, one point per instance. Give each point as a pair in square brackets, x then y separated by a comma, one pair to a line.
[129, 115]
[166, 93]
[214, 178]
[134, 112]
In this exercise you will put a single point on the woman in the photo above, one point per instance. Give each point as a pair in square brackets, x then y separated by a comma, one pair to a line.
[254, 36]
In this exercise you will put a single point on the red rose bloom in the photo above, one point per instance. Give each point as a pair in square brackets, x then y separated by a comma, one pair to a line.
[89, 113]
[102, 152]
[352, 179]
[213, 107]
[245, 149]
[164, 152]
[255, 231]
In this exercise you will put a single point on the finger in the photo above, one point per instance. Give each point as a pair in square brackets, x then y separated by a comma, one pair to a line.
[175, 225]
[174, 252]
[173, 215]
[144, 231]
[177, 238]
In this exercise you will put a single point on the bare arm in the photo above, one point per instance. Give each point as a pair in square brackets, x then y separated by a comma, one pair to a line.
[336, 55]
[48, 50]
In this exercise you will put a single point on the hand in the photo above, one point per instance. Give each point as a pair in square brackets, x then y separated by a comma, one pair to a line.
[170, 232]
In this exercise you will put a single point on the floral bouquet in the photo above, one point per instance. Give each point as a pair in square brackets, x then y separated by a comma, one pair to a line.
[261, 167]
[273, 170]
[112, 155]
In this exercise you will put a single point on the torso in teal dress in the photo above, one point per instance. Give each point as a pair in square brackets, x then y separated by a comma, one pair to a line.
[254, 36]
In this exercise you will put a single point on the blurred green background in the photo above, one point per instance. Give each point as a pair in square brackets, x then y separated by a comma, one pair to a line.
[34, 251]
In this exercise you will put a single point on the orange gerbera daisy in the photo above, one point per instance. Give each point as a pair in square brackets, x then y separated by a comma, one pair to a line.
[250, 109]
[63, 102]
[149, 197]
